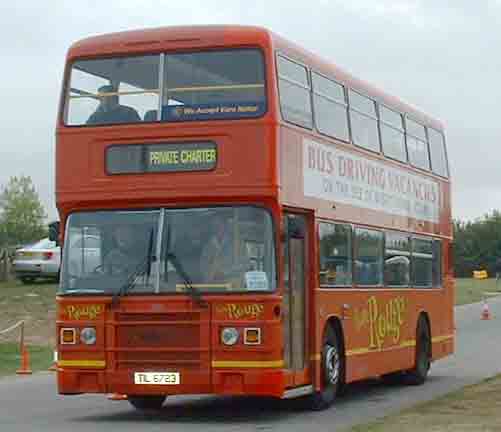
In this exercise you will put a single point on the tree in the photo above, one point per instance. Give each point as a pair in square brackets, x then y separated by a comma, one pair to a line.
[477, 244]
[22, 215]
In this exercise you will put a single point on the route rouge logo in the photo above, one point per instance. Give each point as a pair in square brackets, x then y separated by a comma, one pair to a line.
[77, 312]
[240, 311]
[384, 321]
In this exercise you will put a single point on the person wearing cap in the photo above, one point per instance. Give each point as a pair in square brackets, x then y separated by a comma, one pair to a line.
[110, 111]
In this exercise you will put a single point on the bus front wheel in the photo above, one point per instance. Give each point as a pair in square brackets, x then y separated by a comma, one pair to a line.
[332, 372]
[147, 402]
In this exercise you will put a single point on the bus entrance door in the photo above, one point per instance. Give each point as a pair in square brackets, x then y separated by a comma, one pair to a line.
[294, 299]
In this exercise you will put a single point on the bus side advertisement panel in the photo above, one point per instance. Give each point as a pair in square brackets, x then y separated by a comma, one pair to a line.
[343, 177]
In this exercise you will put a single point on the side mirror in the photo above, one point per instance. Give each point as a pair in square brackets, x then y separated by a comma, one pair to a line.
[295, 227]
[54, 232]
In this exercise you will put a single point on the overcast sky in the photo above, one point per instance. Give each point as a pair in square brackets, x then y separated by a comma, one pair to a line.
[440, 58]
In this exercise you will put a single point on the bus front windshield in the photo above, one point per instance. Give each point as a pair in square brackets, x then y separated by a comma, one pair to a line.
[221, 249]
[225, 84]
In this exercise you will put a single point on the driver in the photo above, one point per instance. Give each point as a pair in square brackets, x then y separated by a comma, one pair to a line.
[121, 258]
[217, 255]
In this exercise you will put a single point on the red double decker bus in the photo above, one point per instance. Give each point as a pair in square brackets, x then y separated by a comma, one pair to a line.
[242, 217]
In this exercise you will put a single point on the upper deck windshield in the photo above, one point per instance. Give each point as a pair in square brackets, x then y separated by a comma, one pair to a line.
[167, 251]
[206, 85]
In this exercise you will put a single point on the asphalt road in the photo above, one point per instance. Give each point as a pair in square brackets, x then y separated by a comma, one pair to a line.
[31, 403]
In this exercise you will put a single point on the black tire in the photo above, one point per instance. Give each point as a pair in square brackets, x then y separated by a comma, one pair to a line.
[419, 374]
[147, 402]
[27, 279]
[332, 372]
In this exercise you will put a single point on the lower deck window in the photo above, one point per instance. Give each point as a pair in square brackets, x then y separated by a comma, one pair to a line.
[335, 255]
[437, 264]
[422, 263]
[397, 261]
[376, 258]
[368, 257]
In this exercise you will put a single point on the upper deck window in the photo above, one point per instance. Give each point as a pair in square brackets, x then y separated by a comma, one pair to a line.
[438, 153]
[392, 134]
[364, 130]
[294, 88]
[214, 85]
[167, 87]
[417, 146]
[114, 90]
[331, 109]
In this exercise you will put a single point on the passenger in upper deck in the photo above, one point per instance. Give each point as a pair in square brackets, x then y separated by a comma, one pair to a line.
[110, 111]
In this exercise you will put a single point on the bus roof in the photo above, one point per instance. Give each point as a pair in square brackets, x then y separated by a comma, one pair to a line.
[164, 38]
[198, 37]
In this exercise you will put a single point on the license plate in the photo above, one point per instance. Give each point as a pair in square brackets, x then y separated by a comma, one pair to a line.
[157, 378]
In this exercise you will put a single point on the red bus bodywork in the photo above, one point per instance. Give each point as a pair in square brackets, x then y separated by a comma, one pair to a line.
[260, 162]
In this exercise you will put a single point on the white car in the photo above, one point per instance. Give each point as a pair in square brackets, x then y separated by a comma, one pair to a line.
[39, 260]
[86, 255]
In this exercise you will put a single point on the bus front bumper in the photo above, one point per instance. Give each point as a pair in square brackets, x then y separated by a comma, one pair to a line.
[262, 382]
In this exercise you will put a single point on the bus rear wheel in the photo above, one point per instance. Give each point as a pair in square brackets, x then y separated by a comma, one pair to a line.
[147, 402]
[418, 375]
[332, 372]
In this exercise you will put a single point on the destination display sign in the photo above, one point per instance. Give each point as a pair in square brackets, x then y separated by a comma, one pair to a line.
[165, 157]
[340, 176]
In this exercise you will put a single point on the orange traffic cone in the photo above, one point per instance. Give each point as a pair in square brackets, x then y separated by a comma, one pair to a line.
[25, 363]
[486, 315]
[117, 396]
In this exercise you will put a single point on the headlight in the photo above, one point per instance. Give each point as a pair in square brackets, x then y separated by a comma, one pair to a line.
[88, 335]
[229, 336]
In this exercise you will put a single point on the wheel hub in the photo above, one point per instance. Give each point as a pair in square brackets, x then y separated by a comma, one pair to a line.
[331, 365]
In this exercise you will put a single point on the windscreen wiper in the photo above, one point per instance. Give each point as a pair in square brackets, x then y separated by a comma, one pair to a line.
[170, 256]
[195, 294]
[144, 268]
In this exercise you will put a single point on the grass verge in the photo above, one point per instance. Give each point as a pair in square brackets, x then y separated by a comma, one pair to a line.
[40, 358]
[473, 408]
[469, 290]
[34, 303]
